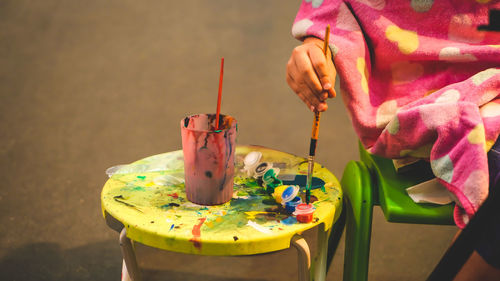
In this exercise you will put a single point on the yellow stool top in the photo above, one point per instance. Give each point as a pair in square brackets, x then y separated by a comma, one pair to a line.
[149, 199]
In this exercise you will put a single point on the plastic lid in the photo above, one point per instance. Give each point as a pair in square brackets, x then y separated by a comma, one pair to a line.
[304, 209]
[262, 168]
[289, 193]
[252, 158]
[270, 175]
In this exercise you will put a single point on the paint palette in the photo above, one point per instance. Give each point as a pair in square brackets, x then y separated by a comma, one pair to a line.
[152, 205]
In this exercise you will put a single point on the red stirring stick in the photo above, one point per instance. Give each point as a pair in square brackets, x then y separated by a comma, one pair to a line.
[220, 94]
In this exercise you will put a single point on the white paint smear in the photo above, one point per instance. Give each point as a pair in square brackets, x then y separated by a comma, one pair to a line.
[258, 227]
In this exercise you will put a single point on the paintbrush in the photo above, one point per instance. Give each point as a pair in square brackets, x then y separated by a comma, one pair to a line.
[315, 132]
[219, 96]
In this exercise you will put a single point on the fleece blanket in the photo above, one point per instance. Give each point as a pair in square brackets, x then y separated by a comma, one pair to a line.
[418, 79]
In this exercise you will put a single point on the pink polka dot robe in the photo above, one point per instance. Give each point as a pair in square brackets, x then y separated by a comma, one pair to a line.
[418, 80]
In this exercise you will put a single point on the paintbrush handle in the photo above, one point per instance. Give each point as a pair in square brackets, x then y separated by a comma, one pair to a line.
[310, 168]
[315, 132]
[327, 38]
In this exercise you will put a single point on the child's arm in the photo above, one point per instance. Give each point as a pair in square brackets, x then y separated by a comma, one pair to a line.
[310, 75]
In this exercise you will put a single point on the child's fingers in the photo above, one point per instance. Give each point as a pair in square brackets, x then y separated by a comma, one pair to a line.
[305, 70]
[318, 62]
[304, 99]
[305, 94]
[312, 99]
[322, 106]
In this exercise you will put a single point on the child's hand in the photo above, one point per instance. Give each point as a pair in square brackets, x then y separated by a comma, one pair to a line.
[310, 75]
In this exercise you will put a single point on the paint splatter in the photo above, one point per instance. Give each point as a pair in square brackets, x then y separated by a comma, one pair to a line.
[289, 221]
[258, 227]
[141, 177]
[120, 198]
[174, 195]
[208, 174]
[197, 233]
[171, 227]
[166, 206]
[235, 238]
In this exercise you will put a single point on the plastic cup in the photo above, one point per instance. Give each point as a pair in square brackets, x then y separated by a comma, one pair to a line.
[208, 158]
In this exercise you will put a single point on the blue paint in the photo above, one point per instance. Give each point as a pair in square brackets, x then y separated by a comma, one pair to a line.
[171, 227]
[289, 221]
[290, 205]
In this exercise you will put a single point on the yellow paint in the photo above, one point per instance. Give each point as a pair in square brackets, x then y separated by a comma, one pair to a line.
[363, 71]
[483, 1]
[406, 40]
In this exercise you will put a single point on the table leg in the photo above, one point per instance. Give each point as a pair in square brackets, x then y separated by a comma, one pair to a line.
[304, 257]
[125, 276]
[131, 269]
[320, 263]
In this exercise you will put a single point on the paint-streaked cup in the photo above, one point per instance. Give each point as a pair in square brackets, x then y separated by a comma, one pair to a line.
[208, 158]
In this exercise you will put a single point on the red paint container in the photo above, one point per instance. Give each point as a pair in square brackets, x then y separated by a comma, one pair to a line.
[304, 212]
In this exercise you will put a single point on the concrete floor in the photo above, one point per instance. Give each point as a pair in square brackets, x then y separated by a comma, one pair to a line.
[86, 85]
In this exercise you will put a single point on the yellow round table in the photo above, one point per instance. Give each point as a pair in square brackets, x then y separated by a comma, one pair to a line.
[146, 201]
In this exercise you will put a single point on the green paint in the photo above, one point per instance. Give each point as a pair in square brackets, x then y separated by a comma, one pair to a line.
[242, 193]
[138, 188]
[141, 177]
[169, 205]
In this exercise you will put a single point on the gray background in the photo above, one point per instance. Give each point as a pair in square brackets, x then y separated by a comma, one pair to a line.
[86, 85]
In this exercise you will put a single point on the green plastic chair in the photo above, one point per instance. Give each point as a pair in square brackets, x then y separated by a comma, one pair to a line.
[374, 181]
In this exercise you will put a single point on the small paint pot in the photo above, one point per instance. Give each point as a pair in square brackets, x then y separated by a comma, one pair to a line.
[251, 161]
[270, 175]
[278, 191]
[304, 212]
[291, 205]
[285, 193]
[261, 169]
